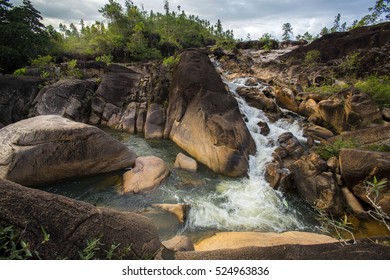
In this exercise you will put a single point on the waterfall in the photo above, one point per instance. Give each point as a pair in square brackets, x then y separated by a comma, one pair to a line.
[249, 203]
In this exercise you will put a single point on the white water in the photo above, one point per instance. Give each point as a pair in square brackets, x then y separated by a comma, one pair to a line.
[249, 203]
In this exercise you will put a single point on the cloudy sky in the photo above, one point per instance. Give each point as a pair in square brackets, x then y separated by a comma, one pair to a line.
[255, 17]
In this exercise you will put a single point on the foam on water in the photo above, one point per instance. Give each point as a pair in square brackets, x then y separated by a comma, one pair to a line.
[249, 203]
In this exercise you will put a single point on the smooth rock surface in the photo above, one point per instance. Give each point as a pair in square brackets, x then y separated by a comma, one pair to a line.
[50, 148]
[179, 210]
[184, 162]
[179, 243]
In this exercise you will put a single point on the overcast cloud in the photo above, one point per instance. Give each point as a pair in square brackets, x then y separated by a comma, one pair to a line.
[255, 17]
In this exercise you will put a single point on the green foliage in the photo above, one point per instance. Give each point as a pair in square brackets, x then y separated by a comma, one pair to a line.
[328, 150]
[287, 31]
[170, 62]
[376, 186]
[267, 41]
[72, 70]
[377, 87]
[13, 247]
[351, 64]
[106, 58]
[42, 61]
[20, 72]
[327, 90]
[312, 57]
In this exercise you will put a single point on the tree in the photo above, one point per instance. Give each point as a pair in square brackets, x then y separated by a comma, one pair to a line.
[287, 31]
[381, 8]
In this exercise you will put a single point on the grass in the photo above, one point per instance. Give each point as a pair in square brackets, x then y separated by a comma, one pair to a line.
[327, 90]
[329, 150]
[378, 87]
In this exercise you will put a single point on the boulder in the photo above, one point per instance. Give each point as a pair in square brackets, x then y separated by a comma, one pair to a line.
[386, 114]
[204, 120]
[317, 132]
[147, 174]
[285, 98]
[140, 125]
[315, 185]
[129, 118]
[49, 148]
[184, 162]
[264, 128]
[290, 145]
[155, 119]
[309, 108]
[353, 203]
[66, 98]
[349, 110]
[278, 177]
[179, 243]
[378, 135]
[16, 96]
[234, 240]
[359, 165]
[256, 98]
[179, 210]
[71, 223]
[379, 199]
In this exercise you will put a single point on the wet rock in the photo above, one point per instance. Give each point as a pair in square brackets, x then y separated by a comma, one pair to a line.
[353, 203]
[50, 148]
[71, 223]
[315, 185]
[179, 243]
[285, 98]
[141, 118]
[264, 128]
[234, 240]
[184, 162]
[129, 118]
[291, 145]
[278, 177]
[147, 174]
[179, 210]
[256, 98]
[204, 120]
[155, 119]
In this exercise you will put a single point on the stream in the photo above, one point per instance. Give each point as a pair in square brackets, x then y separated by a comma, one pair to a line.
[217, 203]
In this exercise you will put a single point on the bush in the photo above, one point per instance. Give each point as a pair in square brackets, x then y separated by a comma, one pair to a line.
[377, 87]
[43, 61]
[20, 72]
[171, 61]
[351, 64]
[312, 57]
[107, 59]
[73, 71]
[328, 150]
[327, 90]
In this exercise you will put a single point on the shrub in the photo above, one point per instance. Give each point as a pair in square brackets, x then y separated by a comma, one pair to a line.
[327, 90]
[328, 150]
[107, 59]
[312, 57]
[20, 72]
[171, 61]
[43, 61]
[73, 70]
[377, 87]
[351, 64]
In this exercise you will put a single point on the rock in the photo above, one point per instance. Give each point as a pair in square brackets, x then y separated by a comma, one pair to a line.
[140, 125]
[264, 128]
[117, 68]
[46, 149]
[378, 135]
[378, 199]
[179, 243]
[117, 88]
[204, 120]
[386, 114]
[318, 133]
[361, 251]
[333, 164]
[359, 165]
[72, 223]
[316, 186]
[66, 98]
[147, 174]
[16, 97]
[309, 108]
[353, 203]
[129, 118]
[256, 98]
[184, 162]
[349, 110]
[277, 177]
[290, 144]
[234, 240]
[92, 69]
[179, 210]
[285, 98]
[155, 119]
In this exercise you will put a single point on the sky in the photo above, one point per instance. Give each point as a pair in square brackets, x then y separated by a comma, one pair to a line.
[254, 17]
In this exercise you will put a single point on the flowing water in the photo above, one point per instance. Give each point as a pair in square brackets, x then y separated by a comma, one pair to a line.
[216, 202]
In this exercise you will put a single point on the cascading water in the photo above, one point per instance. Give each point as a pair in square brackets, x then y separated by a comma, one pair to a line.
[249, 203]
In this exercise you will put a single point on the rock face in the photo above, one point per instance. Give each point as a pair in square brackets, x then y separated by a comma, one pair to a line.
[179, 210]
[72, 223]
[146, 175]
[16, 96]
[316, 185]
[285, 98]
[49, 148]
[66, 98]
[233, 240]
[204, 120]
[155, 119]
[179, 243]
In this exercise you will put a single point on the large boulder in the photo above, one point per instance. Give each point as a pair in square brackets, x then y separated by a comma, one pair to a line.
[285, 98]
[184, 162]
[16, 96]
[66, 98]
[146, 175]
[316, 185]
[71, 223]
[155, 119]
[49, 148]
[204, 120]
